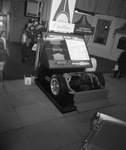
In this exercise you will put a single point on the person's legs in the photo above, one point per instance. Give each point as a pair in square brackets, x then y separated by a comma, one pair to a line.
[23, 52]
[115, 74]
[27, 51]
[121, 71]
[2, 64]
[120, 75]
[124, 74]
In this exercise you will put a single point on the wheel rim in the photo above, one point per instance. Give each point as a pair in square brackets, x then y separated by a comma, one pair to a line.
[54, 86]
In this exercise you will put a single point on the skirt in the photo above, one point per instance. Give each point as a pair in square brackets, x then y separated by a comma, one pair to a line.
[3, 55]
[2, 64]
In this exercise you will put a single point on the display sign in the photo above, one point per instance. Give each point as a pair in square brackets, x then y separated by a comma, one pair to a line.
[80, 29]
[77, 49]
[70, 28]
[66, 51]
[62, 10]
[61, 27]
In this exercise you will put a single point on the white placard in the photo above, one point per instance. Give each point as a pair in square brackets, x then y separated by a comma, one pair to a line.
[77, 49]
[61, 27]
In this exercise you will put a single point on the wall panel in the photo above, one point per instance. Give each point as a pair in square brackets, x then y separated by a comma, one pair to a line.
[105, 7]
[115, 8]
[93, 5]
[123, 10]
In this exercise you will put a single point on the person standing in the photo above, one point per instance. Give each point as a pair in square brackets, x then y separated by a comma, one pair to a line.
[120, 70]
[25, 43]
[3, 54]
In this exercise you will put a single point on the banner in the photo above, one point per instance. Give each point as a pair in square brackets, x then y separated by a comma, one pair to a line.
[62, 10]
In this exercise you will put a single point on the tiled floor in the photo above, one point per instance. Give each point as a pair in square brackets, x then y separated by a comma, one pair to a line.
[30, 121]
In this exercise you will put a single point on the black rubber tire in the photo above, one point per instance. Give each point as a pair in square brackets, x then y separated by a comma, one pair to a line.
[58, 86]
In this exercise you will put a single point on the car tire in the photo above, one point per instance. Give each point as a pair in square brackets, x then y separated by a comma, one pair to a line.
[58, 86]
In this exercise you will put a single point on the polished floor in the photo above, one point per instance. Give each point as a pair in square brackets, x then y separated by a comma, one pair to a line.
[30, 121]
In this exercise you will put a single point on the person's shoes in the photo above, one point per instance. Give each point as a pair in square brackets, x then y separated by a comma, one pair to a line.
[119, 77]
[27, 56]
[1, 83]
[23, 60]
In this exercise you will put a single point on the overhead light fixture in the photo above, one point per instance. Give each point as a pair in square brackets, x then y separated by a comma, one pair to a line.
[79, 11]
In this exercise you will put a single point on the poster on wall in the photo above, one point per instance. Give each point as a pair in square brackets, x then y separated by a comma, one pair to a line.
[62, 10]
[32, 9]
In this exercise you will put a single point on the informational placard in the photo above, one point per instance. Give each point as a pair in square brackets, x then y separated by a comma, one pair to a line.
[61, 27]
[65, 51]
[81, 29]
[77, 49]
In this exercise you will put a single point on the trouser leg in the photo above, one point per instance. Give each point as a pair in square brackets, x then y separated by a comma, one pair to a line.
[23, 52]
[120, 75]
[115, 74]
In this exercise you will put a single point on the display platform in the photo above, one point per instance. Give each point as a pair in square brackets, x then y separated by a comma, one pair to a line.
[93, 99]
[61, 104]
[78, 101]
[57, 56]
[60, 74]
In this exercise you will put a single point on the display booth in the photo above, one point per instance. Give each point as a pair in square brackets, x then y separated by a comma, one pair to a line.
[107, 133]
[61, 62]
